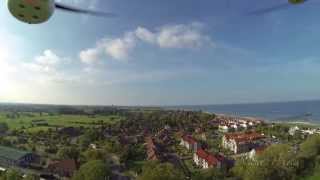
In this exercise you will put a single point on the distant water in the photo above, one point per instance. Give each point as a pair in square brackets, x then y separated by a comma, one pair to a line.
[308, 111]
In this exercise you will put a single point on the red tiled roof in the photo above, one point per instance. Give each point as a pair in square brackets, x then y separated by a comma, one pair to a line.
[202, 154]
[189, 139]
[242, 137]
[154, 150]
[66, 165]
[211, 160]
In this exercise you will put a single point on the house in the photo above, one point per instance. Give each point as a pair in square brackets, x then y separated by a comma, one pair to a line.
[242, 142]
[243, 125]
[189, 142]
[14, 157]
[206, 160]
[230, 123]
[63, 168]
[153, 152]
[223, 128]
[227, 127]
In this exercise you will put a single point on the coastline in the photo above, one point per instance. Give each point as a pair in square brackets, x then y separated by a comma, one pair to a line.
[287, 122]
[292, 123]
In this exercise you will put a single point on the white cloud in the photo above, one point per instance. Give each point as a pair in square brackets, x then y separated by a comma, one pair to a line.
[145, 35]
[181, 36]
[121, 47]
[90, 56]
[48, 58]
[48, 62]
[175, 36]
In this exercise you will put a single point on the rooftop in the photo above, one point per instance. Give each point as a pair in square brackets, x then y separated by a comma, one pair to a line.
[209, 158]
[242, 137]
[189, 139]
[11, 153]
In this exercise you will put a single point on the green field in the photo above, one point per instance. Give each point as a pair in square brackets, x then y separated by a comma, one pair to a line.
[28, 121]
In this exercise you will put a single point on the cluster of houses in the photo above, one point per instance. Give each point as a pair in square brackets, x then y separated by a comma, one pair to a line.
[156, 145]
[308, 131]
[229, 124]
[12, 157]
[201, 157]
[238, 136]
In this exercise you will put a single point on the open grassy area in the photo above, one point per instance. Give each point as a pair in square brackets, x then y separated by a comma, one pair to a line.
[29, 121]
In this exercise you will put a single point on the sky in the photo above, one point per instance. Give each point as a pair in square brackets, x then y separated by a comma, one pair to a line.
[181, 52]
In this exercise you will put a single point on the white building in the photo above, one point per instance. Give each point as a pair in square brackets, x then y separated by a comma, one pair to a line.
[206, 160]
[241, 142]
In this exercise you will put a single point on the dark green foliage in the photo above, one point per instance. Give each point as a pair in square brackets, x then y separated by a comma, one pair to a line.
[93, 154]
[11, 175]
[93, 170]
[133, 153]
[209, 174]
[309, 156]
[277, 162]
[160, 171]
[69, 153]
[113, 146]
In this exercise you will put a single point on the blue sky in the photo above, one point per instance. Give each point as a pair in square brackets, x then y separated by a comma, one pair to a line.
[163, 53]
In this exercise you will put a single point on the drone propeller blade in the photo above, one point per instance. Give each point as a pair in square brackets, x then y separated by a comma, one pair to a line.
[83, 11]
[271, 9]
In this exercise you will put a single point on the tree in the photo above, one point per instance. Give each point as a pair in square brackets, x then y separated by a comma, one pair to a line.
[113, 146]
[133, 153]
[93, 170]
[209, 174]
[11, 175]
[90, 136]
[311, 147]
[93, 154]
[276, 162]
[69, 153]
[309, 155]
[160, 171]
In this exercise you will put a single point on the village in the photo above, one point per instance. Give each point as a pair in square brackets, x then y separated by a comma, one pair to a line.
[189, 141]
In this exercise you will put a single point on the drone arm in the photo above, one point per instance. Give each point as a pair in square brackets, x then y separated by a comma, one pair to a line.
[83, 11]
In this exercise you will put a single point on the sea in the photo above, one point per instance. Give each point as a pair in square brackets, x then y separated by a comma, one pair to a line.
[299, 111]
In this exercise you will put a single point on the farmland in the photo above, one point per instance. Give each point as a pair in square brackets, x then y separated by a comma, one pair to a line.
[34, 122]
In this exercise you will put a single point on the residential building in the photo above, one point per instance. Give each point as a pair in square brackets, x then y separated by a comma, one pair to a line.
[189, 142]
[63, 168]
[206, 160]
[153, 152]
[14, 157]
[293, 130]
[242, 142]
[223, 128]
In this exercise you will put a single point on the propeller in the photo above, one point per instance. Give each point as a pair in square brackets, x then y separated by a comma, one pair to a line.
[274, 8]
[270, 9]
[83, 11]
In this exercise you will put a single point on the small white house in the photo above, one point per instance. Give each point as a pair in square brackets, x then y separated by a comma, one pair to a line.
[293, 130]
